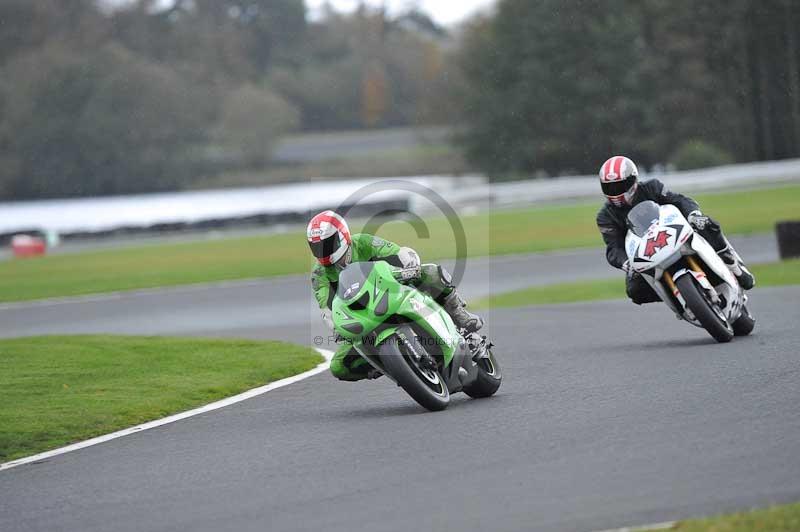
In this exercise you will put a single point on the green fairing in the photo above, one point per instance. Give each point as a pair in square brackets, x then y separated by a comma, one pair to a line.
[366, 247]
[403, 300]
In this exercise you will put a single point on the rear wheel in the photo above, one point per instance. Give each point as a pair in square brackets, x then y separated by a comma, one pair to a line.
[488, 380]
[423, 384]
[745, 324]
[708, 314]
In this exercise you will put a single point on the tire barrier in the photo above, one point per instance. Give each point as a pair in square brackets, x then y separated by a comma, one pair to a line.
[788, 234]
[28, 246]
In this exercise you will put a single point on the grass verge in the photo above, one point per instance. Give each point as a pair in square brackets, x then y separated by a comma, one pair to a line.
[62, 389]
[494, 233]
[774, 274]
[784, 518]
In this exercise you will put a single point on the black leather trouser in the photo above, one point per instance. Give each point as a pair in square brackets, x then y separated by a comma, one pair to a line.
[640, 290]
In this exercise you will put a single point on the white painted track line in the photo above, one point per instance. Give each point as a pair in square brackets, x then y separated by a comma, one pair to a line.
[177, 417]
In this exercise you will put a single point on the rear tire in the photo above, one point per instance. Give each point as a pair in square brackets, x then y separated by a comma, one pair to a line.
[424, 386]
[696, 300]
[488, 380]
[745, 324]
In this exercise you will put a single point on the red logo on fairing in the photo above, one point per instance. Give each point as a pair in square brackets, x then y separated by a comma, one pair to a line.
[658, 242]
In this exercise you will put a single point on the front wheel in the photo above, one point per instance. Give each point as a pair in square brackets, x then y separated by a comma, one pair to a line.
[488, 379]
[709, 316]
[424, 385]
[745, 324]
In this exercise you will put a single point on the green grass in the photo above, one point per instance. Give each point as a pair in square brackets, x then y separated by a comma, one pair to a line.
[775, 274]
[555, 293]
[784, 518]
[496, 233]
[61, 389]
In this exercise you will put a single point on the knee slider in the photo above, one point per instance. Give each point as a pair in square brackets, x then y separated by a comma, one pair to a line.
[438, 275]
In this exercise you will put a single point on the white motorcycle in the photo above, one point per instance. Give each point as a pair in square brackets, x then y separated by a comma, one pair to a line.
[685, 271]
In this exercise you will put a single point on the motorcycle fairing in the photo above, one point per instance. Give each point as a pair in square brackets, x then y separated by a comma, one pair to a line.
[681, 240]
[670, 223]
[380, 291]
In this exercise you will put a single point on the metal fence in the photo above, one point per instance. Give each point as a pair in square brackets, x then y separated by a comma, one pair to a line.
[535, 191]
[269, 206]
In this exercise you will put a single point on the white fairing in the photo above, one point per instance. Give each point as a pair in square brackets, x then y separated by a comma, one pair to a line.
[666, 241]
[677, 230]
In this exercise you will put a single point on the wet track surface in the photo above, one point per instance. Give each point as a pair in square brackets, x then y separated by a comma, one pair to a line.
[609, 415]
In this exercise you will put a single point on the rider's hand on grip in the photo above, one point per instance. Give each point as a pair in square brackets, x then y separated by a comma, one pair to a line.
[697, 220]
[407, 274]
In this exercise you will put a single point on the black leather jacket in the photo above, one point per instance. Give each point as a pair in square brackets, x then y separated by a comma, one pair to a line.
[612, 221]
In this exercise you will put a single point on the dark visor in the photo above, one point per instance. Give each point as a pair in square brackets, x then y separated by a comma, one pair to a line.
[617, 188]
[325, 247]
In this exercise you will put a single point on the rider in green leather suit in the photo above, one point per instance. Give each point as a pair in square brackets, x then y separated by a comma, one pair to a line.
[334, 247]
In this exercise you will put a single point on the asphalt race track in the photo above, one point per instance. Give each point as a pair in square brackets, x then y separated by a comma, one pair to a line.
[609, 415]
[282, 308]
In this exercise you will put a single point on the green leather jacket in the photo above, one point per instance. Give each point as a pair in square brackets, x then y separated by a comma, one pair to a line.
[325, 279]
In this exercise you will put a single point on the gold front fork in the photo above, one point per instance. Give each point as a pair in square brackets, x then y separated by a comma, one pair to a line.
[693, 264]
[668, 278]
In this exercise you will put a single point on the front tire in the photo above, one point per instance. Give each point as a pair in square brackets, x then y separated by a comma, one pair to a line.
[488, 380]
[745, 324]
[427, 387]
[702, 308]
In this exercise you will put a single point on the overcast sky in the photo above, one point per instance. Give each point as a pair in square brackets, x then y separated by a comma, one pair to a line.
[442, 11]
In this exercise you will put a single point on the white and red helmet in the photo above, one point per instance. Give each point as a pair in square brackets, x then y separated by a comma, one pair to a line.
[619, 180]
[328, 237]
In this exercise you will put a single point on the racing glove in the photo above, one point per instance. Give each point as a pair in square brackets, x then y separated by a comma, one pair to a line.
[697, 220]
[405, 275]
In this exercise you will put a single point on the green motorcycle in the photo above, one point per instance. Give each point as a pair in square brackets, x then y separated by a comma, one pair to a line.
[404, 333]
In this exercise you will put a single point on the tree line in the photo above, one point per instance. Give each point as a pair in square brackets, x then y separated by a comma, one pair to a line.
[100, 97]
[557, 86]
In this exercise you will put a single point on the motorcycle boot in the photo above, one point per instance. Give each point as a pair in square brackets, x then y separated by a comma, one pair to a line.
[463, 319]
[735, 264]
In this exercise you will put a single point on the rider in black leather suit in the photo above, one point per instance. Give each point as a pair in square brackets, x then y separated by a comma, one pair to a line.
[619, 179]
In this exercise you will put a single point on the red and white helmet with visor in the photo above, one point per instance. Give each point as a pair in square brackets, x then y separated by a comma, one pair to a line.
[619, 180]
[328, 237]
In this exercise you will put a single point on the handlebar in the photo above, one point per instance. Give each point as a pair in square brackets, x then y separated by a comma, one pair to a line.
[406, 274]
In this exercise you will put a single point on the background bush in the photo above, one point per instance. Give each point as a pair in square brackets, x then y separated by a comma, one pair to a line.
[699, 154]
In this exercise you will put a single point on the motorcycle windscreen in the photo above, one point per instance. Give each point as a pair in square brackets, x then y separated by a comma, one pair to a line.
[353, 278]
[642, 216]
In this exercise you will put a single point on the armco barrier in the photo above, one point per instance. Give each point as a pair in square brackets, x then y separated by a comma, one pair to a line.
[569, 188]
[365, 210]
[293, 203]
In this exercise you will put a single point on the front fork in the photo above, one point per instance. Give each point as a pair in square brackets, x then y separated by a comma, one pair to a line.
[700, 276]
[478, 346]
